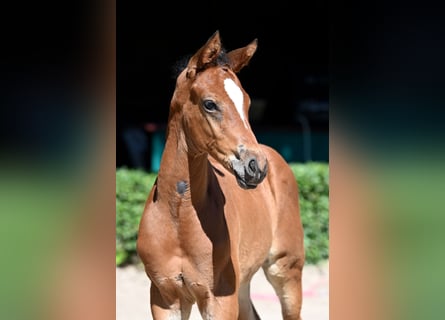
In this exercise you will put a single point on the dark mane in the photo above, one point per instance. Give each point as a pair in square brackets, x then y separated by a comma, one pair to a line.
[181, 64]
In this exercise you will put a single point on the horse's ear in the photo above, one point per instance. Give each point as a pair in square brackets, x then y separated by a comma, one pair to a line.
[204, 56]
[239, 58]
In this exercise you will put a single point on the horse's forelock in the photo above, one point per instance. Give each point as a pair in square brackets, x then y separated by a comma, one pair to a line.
[223, 59]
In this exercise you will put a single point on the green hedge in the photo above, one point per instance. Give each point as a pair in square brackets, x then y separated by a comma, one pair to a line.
[313, 183]
[133, 186]
[132, 189]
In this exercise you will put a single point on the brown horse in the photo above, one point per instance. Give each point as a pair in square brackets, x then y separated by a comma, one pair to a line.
[223, 205]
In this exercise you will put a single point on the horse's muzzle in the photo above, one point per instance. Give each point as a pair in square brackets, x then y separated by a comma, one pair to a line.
[248, 172]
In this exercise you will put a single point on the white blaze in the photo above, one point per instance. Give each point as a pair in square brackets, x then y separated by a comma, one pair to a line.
[235, 93]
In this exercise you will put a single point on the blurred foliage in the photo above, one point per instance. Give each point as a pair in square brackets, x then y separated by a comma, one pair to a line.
[133, 187]
[313, 183]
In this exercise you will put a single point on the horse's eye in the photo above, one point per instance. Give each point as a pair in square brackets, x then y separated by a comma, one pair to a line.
[210, 106]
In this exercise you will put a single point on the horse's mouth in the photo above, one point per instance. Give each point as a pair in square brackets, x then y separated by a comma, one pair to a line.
[247, 181]
[243, 183]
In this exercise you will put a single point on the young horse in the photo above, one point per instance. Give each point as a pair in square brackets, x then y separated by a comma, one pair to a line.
[223, 205]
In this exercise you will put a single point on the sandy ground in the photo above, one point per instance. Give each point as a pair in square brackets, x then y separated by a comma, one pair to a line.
[132, 295]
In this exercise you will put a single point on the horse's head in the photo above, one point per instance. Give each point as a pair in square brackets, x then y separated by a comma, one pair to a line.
[213, 108]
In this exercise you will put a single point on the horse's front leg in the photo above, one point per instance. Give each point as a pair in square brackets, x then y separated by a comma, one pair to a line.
[221, 308]
[175, 309]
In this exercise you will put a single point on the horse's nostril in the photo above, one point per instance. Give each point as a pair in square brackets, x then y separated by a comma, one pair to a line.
[253, 166]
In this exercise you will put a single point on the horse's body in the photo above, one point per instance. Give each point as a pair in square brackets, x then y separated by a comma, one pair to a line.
[223, 205]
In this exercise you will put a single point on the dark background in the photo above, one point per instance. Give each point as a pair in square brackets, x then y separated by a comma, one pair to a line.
[289, 71]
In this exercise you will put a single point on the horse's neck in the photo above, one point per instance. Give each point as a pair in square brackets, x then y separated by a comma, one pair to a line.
[181, 174]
